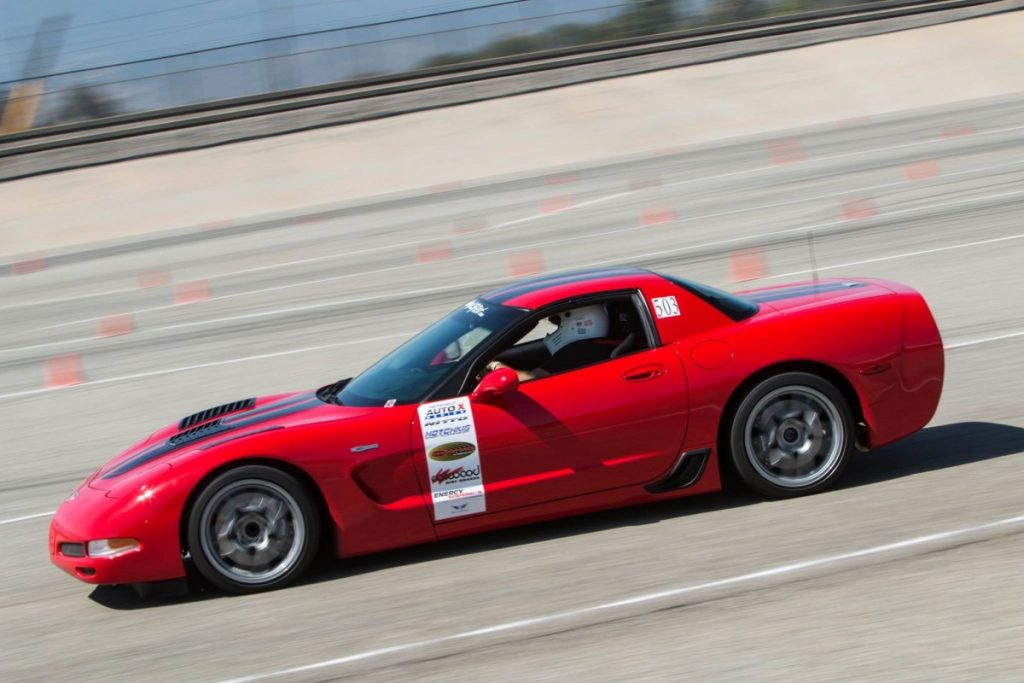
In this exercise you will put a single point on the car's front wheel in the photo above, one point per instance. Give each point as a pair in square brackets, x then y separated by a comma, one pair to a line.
[253, 528]
[791, 435]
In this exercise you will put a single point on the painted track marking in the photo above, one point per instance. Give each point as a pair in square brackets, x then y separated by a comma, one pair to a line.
[230, 361]
[645, 598]
[25, 518]
[485, 283]
[908, 254]
[983, 340]
[197, 366]
[505, 250]
[585, 204]
[811, 228]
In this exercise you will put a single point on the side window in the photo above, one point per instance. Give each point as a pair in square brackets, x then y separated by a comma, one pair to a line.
[541, 329]
[575, 336]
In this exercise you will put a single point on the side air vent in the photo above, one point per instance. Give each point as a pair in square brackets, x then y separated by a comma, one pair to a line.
[210, 413]
[196, 433]
[686, 472]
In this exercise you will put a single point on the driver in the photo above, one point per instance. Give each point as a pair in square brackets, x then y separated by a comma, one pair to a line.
[579, 338]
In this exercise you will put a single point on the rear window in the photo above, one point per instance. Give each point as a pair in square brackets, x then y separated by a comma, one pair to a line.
[731, 305]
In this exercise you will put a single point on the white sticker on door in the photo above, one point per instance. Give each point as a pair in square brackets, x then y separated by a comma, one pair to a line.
[665, 306]
[453, 458]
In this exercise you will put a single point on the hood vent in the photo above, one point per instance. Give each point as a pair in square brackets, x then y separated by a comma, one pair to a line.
[210, 413]
[196, 433]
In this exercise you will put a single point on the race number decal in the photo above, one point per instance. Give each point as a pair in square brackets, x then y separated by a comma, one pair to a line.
[665, 307]
[453, 461]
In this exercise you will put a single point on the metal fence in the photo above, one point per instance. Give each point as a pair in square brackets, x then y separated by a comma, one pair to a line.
[346, 53]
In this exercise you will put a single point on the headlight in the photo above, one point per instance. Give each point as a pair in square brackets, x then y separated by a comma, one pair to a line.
[108, 547]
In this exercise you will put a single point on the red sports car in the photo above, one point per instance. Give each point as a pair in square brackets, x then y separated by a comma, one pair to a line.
[563, 394]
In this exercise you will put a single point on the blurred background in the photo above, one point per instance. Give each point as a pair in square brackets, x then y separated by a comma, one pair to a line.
[202, 201]
[73, 62]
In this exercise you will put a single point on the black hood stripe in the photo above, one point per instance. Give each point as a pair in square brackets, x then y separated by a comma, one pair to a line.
[175, 442]
[214, 444]
[800, 290]
[276, 405]
[291, 407]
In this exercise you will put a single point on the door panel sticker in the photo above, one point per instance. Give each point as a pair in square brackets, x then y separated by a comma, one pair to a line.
[453, 458]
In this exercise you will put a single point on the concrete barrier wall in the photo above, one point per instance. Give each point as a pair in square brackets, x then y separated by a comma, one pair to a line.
[568, 127]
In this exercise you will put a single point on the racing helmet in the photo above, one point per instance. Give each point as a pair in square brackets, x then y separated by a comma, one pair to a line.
[585, 322]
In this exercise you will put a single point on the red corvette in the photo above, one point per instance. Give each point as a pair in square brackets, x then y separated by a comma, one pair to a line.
[563, 394]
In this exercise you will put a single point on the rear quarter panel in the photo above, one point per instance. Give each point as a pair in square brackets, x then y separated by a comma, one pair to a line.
[861, 336]
[921, 369]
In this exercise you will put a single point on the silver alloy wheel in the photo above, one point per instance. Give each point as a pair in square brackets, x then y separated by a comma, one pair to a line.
[252, 531]
[794, 437]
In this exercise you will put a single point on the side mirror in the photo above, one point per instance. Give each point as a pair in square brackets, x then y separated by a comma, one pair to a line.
[500, 381]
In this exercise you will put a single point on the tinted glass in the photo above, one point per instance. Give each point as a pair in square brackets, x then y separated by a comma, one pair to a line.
[408, 373]
[733, 306]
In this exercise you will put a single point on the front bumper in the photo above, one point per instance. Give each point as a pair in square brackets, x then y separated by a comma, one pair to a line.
[93, 515]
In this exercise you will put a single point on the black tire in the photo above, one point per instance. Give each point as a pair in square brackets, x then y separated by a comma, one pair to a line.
[791, 435]
[269, 529]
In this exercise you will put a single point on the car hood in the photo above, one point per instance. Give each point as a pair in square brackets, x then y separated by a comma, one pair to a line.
[226, 422]
[799, 295]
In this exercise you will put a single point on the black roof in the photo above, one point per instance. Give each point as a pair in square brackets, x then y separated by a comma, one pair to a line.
[517, 289]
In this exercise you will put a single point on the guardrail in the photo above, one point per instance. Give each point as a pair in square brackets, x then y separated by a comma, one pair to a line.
[491, 68]
[101, 142]
[330, 55]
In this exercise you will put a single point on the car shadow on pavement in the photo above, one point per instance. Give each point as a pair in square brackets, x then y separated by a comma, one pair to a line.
[934, 448]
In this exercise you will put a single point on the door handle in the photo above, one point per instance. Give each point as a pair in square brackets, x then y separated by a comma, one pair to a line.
[643, 373]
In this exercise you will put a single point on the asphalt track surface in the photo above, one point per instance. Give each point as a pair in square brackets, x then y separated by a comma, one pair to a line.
[911, 570]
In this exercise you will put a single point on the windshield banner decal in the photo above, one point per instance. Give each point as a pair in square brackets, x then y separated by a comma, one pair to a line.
[453, 458]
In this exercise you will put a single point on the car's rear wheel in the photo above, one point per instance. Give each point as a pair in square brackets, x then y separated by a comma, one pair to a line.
[253, 528]
[791, 435]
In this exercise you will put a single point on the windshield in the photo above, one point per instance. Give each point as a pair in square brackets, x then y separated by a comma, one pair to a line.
[410, 371]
